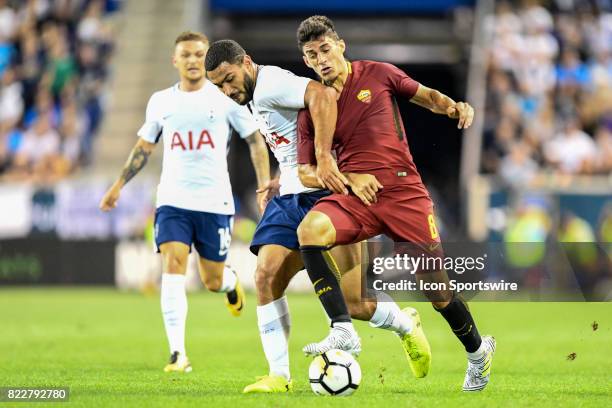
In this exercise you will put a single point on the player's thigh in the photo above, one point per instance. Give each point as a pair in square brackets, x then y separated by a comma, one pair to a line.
[174, 257]
[278, 263]
[408, 214]
[351, 220]
[173, 237]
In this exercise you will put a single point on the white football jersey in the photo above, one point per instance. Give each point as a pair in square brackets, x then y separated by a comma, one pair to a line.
[278, 96]
[195, 128]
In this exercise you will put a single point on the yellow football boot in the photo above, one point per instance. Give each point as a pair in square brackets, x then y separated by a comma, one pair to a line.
[178, 364]
[236, 295]
[416, 345]
[269, 384]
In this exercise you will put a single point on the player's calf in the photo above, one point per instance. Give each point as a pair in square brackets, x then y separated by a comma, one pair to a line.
[270, 283]
[218, 277]
[479, 349]
[212, 282]
[459, 318]
[361, 309]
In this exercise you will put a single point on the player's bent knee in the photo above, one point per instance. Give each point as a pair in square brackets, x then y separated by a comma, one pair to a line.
[316, 229]
[174, 264]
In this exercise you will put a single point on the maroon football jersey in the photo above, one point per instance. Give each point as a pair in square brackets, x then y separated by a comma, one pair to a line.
[370, 136]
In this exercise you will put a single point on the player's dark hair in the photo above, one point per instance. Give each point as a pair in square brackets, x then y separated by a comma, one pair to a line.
[191, 36]
[314, 27]
[223, 51]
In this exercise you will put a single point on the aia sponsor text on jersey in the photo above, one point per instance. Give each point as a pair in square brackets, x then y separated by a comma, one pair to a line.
[191, 140]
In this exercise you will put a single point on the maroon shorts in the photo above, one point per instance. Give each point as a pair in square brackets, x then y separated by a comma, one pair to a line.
[404, 212]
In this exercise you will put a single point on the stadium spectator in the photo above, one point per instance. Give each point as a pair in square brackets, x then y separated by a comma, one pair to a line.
[571, 71]
[571, 149]
[517, 167]
[38, 152]
[54, 63]
[550, 73]
[602, 162]
[72, 129]
[11, 101]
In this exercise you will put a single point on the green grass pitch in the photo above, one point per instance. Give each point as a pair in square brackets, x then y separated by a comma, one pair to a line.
[110, 348]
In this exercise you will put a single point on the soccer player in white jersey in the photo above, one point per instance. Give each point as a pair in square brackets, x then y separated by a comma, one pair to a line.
[194, 196]
[275, 96]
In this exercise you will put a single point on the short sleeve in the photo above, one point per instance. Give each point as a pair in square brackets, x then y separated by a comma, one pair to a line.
[241, 120]
[151, 128]
[399, 81]
[305, 130]
[282, 89]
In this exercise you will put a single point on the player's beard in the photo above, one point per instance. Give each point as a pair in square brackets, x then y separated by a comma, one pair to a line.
[249, 89]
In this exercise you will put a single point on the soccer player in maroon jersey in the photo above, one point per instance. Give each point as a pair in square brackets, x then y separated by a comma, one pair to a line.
[388, 194]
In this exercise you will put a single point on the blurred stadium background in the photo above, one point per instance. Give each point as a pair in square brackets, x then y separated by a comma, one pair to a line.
[76, 76]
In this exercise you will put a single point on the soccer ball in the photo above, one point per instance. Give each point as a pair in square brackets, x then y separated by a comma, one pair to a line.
[334, 372]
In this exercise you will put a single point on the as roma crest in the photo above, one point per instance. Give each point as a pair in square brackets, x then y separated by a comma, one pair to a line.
[364, 96]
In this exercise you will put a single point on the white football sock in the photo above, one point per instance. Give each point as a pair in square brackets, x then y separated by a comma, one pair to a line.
[388, 316]
[274, 327]
[229, 280]
[174, 310]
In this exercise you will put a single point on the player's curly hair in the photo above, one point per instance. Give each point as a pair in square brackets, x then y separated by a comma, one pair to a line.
[191, 36]
[223, 51]
[314, 27]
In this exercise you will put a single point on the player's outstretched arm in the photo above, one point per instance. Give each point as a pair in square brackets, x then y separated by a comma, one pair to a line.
[321, 102]
[439, 103]
[261, 164]
[135, 162]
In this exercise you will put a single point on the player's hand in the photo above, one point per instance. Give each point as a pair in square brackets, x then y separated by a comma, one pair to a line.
[329, 176]
[365, 187]
[109, 201]
[265, 194]
[462, 111]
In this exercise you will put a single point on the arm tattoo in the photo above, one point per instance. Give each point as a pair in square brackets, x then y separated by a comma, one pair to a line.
[137, 160]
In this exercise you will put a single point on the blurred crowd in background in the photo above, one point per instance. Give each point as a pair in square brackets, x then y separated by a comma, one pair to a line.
[54, 64]
[549, 93]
